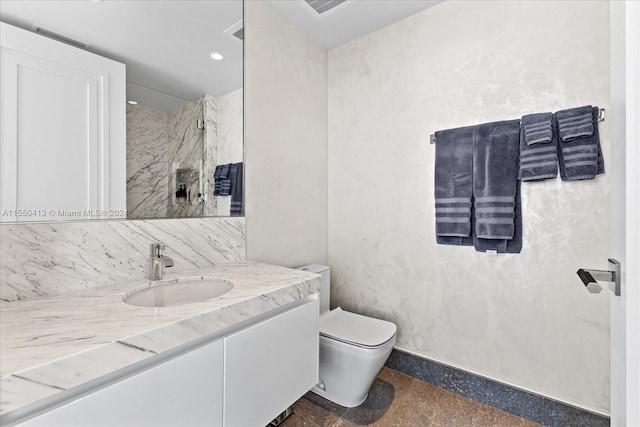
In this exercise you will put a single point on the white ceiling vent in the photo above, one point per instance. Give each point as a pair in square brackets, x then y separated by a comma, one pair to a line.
[61, 37]
[322, 8]
[236, 31]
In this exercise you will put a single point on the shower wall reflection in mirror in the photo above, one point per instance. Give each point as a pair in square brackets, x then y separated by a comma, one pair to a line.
[184, 112]
[172, 154]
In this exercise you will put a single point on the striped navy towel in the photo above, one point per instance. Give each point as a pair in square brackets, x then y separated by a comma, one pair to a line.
[222, 171]
[453, 186]
[222, 187]
[495, 178]
[237, 194]
[537, 128]
[538, 148]
[580, 153]
[575, 123]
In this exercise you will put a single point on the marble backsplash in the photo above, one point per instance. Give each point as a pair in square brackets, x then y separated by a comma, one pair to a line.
[45, 259]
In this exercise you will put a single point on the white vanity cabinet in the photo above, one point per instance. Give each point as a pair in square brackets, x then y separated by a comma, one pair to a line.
[243, 378]
[62, 131]
[184, 391]
[270, 365]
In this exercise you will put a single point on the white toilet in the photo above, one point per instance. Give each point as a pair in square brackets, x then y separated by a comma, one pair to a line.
[353, 349]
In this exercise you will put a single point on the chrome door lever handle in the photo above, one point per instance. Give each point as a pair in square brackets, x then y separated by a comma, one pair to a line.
[590, 278]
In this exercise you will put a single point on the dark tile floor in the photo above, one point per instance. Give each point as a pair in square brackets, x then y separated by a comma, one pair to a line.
[396, 399]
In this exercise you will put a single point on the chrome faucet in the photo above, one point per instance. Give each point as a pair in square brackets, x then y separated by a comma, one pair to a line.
[158, 261]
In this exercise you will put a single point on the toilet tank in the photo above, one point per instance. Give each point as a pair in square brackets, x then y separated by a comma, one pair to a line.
[324, 271]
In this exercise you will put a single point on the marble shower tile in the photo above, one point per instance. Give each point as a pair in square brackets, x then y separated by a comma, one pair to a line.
[230, 127]
[147, 172]
[210, 154]
[186, 152]
[229, 144]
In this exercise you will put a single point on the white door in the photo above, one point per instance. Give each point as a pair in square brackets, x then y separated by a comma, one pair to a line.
[62, 140]
[625, 237]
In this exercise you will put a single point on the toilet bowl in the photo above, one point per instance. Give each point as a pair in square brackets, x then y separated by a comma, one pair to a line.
[353, 349]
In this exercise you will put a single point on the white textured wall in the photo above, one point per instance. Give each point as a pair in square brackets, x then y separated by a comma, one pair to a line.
[522, 319]
[285, 140]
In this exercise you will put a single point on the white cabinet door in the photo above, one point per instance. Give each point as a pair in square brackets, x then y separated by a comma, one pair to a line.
[62, 137]
[270, 365]
[185, 391]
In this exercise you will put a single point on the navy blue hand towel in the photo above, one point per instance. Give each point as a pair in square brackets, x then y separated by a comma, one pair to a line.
[222, 171]
[237, 199]
[580, 153]
[222, 187]
[538, 147]
[537, 128]
[576, 123]
[496, 148]
[223, 183]
[454, 186]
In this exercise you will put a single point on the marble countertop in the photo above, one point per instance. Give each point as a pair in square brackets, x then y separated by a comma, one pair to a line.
[51, 344]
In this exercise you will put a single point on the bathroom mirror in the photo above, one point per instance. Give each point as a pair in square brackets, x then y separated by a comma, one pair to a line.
[184, 112]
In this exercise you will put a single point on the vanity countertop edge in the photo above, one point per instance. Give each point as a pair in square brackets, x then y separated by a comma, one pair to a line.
[51, 344]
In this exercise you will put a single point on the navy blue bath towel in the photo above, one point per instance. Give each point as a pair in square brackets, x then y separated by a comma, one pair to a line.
[495, 178]
[477, 191]
[237, 193]
[454, 186]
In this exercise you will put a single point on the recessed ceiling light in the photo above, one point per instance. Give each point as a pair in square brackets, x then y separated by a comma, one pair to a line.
[216, 56]
[132, 103]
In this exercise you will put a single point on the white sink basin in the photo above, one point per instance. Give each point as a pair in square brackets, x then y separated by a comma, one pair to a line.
[184, 290]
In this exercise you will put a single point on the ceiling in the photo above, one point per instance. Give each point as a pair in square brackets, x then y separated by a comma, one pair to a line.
[350, 20]
[166, 44]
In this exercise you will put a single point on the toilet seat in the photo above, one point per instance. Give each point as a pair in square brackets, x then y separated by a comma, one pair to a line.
[355, 329]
